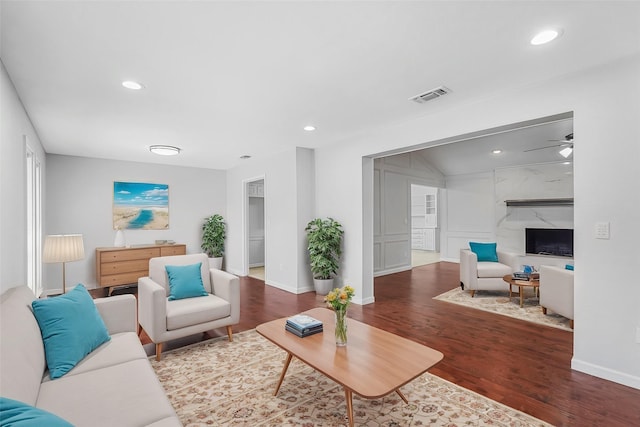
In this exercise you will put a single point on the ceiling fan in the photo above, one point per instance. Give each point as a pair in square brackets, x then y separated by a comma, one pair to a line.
[567, 143]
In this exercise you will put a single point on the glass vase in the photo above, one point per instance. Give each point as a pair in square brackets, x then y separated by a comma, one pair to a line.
[341, 327]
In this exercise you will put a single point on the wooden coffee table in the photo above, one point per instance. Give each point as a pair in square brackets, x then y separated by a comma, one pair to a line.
[521, 284]
[373, 364]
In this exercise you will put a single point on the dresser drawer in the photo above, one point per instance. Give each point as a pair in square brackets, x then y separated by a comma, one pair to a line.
[173, 250]
[109, 268]
[129, 254]
[122, 279]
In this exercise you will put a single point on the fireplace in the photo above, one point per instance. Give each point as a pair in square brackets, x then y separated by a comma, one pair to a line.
[549, 241]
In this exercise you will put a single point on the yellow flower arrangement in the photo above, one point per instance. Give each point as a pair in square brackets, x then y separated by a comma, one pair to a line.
[338, 300]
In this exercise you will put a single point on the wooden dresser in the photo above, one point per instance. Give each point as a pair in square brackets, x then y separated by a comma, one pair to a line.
[123, 266]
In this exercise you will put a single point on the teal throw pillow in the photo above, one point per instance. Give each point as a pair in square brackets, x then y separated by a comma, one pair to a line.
[185, 281]
[15, 413]
[71, 328]
[484, 251]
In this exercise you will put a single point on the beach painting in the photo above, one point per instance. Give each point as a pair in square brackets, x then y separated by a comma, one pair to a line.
[140, 206]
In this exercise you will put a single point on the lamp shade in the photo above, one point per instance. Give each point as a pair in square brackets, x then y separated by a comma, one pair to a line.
[63, 248]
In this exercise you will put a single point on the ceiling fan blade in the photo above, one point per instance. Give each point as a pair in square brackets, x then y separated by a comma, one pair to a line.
[542, 148]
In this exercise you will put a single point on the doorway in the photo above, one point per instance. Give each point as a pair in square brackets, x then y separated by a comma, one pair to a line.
[255, 229]
[425, 232]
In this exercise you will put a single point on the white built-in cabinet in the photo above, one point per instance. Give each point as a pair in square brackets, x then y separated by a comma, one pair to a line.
[255, 191]
[424, 218]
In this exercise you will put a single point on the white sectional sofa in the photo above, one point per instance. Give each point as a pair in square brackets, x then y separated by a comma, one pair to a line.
[114, 385]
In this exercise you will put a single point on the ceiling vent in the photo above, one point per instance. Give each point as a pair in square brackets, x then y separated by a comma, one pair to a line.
[430, 94]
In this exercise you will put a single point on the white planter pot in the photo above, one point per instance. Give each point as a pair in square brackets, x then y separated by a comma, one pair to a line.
[215, 263]
[323, 286]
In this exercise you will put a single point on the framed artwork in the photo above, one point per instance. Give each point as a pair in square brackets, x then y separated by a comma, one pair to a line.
[140, 206]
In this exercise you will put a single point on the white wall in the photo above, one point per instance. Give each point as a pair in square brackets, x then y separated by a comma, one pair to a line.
[393, 176]
[288, 190]
[15, 126]
[469, 213]
[607, 310]
[80, 199]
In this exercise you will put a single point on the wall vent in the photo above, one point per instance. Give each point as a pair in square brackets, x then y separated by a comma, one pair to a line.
[430, 94]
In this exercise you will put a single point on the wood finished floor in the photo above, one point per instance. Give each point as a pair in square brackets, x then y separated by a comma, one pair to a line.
[520, 364]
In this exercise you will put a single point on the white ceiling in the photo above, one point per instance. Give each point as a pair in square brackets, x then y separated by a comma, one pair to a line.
[224, 79]
[527, 145]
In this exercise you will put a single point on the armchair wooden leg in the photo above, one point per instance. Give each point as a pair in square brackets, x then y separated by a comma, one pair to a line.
[230, 333]
[472, 293]
[571, 323]
[158, 351]
[544, 310]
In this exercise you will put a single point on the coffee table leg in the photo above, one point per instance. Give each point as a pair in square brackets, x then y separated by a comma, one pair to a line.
[401, 395]
[284, 371]
[521, 288]
[349, 397]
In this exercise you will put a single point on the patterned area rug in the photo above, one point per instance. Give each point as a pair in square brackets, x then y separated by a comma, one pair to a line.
[499, 302]
[218, 383]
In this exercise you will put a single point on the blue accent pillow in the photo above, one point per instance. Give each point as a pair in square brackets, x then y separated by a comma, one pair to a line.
[71, 328]
[185, 281]
[484, 251]
[569, 267]
[15, 413]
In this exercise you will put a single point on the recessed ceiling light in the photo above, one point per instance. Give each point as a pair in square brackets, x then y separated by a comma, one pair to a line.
[496, 151]
[245, 157]
[164, 150]
[545, 37]
[309, 128]
[129, 84]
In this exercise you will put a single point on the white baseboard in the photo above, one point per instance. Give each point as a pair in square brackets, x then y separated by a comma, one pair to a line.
[391, 271]
[605, 373]
[364, 301]
[456, 260]
[289, 288]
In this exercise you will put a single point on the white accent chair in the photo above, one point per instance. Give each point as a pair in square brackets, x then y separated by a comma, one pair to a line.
[484, 275]
[556, 291]
[165, 320]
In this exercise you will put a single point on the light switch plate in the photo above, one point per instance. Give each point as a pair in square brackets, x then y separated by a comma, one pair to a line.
[602, 230]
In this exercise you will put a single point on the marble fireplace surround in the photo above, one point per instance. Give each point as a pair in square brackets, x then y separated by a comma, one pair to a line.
[532, 182]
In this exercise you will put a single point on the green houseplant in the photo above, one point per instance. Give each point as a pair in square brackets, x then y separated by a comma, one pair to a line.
[324, 237]
[213, 235]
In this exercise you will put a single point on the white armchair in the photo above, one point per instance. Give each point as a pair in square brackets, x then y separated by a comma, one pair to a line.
[164, 320]
[486, 276]
[556, 291]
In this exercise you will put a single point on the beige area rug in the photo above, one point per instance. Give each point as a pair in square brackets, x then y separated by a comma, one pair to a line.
[499, 302]
[220, 383]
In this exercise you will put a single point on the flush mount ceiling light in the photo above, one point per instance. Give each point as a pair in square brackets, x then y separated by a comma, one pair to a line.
[164, 150]
[496, 151]
[309, 128]
[245, 157]
[545, 37]
[129, 84]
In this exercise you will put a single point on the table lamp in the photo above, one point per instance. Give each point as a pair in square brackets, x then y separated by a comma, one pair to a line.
[63, 248]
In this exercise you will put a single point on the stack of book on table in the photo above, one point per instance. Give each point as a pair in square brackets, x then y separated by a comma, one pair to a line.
[303, 325]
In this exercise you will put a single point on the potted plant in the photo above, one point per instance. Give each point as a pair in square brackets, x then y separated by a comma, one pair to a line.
[324, 238]
[213, 234]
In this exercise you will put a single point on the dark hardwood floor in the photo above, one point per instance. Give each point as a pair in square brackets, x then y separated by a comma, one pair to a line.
[520, 364]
